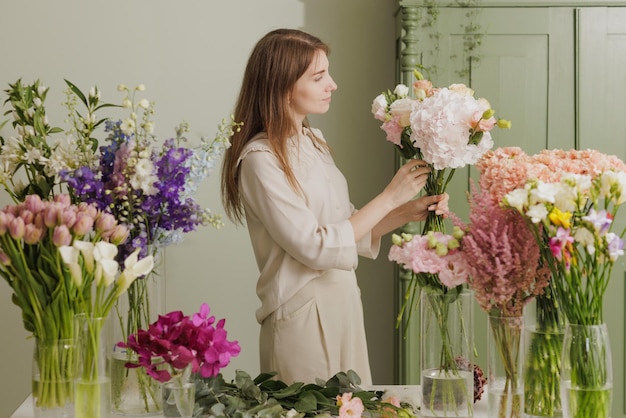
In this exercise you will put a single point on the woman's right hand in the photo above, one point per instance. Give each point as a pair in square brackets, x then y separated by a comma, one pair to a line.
[408, 181]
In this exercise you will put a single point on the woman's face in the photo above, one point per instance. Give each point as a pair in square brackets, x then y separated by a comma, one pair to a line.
[311, 93]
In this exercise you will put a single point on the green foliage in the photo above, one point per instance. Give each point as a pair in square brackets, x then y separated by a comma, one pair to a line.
[265, 396]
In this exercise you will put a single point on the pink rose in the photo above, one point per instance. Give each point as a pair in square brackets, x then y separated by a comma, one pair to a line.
[422, 89]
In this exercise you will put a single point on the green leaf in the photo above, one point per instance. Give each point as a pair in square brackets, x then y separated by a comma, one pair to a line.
[77, 92]
[306, 403]
[263, 377]
[290, 390]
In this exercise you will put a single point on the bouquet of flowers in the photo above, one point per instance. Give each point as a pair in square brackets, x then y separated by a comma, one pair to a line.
[150, 187]
[146, 186]
[58, 259]
[446, 127]
[505, 273]
[444, 356]
[184, 345]
[572, 218]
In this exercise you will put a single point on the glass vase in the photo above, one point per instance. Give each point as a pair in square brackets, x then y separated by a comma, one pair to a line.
[92, 386]
[53, 378]
[544, 326]
[133, 391]
[179, 395]
[505, 385]
[446, 347]
[586, 374]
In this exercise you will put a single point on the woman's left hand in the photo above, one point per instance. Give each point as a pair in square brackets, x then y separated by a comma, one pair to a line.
[420, 207]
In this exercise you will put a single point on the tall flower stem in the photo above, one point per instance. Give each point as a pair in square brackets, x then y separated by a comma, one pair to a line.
[587, 374]
[92, 390]
[542, 370]
[507, 338]
[53, 374]
[133, 312]
[446, 344]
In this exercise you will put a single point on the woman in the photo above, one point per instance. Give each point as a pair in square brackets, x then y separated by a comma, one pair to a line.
[280, 177]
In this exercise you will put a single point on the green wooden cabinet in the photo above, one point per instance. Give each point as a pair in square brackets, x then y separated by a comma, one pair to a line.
[559, 74]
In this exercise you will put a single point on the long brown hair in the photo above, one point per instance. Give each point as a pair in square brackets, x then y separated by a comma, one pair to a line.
[276, 63]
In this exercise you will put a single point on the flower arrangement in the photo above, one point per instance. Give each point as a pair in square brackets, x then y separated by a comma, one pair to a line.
[446, 127]
[176, 345]
[570, 199]
[148, 187]
[267, 396]
[505, 274]
[179, 341]
[445, 355]
[572, 217]
[53, 254]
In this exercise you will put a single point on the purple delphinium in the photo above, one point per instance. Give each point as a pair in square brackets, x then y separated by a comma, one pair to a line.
[153, 217]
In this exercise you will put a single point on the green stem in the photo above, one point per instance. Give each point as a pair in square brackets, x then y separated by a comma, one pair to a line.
[542, 367]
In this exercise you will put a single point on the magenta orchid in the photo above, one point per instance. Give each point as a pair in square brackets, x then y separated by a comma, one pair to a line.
[179, 341]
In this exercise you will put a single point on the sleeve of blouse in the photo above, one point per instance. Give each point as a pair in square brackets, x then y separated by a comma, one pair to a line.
[289, 221]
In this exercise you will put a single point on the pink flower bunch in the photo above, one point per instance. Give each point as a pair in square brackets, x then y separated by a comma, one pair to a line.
[178, 340]
[503, 257]
[446, 127]
[435, 253]
[35, 221]
[505, 169]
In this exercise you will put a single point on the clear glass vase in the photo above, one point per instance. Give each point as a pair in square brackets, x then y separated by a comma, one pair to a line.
[586, 373]
[505, 384]
[53, 378]
[544, 325]
[133, 391]
[446, 349]
[179, 395]
[92, 386]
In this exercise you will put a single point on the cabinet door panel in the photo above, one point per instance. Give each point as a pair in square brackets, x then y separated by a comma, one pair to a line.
[602, 108]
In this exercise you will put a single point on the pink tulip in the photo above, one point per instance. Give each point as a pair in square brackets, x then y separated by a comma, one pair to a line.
[61, 236]
[32, 234]
[16, 228]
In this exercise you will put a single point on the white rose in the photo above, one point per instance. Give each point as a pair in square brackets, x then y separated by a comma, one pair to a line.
[401, 90]
[379, 103]
[461, 89]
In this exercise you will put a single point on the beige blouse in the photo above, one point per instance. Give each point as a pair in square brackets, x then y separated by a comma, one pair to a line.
[296, 238]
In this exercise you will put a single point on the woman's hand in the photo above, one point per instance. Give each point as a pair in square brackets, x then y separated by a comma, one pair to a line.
[407, 183]
[418, 209]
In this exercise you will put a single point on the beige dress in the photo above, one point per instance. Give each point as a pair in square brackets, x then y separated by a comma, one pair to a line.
[311, 314]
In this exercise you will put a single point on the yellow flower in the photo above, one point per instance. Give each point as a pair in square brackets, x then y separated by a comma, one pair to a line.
[559, 218]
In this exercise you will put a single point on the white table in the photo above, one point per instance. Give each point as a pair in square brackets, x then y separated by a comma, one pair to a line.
[409, 394]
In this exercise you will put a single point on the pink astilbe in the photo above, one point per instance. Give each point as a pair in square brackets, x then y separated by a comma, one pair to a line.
[503, 257]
